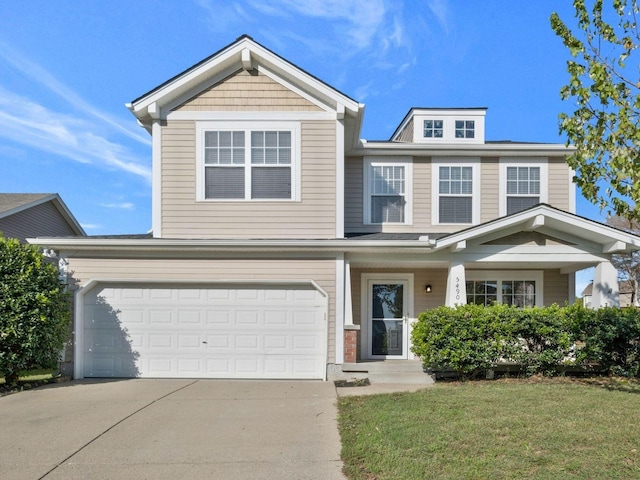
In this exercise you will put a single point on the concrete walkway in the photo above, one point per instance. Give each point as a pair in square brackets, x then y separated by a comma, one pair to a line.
[168, 429]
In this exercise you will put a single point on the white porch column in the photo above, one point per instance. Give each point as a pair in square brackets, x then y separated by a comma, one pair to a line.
[456, 286]
[348, 307]
[606, 292]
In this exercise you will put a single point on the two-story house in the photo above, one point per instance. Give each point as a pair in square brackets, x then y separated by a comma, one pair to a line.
[284, 246]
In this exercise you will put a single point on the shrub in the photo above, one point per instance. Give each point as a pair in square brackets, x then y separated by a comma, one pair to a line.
[34, 311]
[468, 339]
[543, 339]
[610, 338]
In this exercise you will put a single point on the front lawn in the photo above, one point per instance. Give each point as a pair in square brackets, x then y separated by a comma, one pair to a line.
[544, 429]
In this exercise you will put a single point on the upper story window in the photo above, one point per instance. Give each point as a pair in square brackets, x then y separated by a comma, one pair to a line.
[465, 129]
[456, 190]
[456, 194]
[433, 129]
[387, 192]
[523, 184]
[247, 163]
[523, 188]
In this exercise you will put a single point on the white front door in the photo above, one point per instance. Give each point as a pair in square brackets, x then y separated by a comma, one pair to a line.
[387, 315]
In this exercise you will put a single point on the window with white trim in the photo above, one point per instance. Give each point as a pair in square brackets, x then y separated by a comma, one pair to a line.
[387, 192]
[465, 129]
[523, 188]
[524, 182]
[433, 129]
[455, 188]
[520, 289]
[247, 163]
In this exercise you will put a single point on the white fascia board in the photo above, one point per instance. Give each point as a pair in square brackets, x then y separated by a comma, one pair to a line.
[553, 219]
[233, 56]
[295, 75]
[203, 116]
[193, 77]
[195, 248]
[298, 91]
[441, 150]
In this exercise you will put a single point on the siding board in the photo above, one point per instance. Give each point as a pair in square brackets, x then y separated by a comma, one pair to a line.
[245, 91]
[184, 217]
[42, 220]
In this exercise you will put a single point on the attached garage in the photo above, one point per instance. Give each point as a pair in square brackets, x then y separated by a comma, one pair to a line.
[136, 329]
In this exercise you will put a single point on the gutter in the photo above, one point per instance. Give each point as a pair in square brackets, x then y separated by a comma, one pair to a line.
[191, 245]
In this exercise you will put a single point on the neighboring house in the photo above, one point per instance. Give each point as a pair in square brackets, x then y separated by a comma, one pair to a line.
[625, 289]
[284, 246]
[28, 215]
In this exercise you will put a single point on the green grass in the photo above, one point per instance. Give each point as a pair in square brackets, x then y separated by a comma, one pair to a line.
[496, 430]
[34, 375]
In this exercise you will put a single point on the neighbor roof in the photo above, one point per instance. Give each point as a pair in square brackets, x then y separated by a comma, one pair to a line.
[12, 203]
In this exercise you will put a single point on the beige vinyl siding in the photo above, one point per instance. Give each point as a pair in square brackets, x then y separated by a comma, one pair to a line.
[353, 191]
[244, 91]
[527, 238]
[322, 271]
[311, 217]
[556, 287]
[489, 188]
[422, 301]
[354, 201]
[406, 134]
[42, 220]
[559, 183]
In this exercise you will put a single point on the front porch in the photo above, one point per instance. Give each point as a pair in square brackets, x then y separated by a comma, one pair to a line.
[526, 259]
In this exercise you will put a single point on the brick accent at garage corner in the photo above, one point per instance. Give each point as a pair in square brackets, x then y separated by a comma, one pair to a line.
[351, 345]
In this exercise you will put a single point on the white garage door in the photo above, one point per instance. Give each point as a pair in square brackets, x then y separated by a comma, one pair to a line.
[191, 332]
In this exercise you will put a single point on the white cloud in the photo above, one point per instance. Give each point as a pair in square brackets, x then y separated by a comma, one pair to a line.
[362, 18]
[44, 78]
[441, 12]
[123, 205]
[26, 122]
[90, 226]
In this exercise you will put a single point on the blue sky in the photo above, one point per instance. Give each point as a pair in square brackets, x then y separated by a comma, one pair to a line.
[68, 68]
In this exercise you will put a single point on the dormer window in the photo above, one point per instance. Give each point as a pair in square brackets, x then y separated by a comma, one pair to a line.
[465, 129]
[433, 129]
[444, 126]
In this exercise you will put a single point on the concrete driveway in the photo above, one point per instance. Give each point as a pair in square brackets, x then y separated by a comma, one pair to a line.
[168, 429]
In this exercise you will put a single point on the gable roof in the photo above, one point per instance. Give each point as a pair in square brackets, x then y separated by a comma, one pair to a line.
[247, 54]
[543, 216]
[12, 203]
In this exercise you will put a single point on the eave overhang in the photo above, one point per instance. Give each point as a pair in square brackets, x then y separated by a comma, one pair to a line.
[182, 246]
[511, 149]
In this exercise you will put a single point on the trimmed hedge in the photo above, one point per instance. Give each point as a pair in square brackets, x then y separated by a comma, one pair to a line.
[471, 339]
